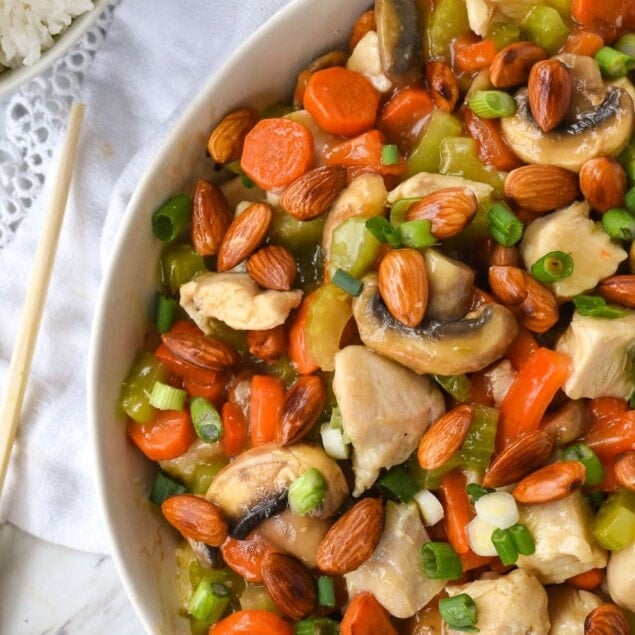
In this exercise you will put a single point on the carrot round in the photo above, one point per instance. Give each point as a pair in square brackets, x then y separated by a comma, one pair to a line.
[609, 18]
[456, 506]
[265, 406]
[277, 151]
[341, 101]
[245, 557]
[583, 42]
[168, 436]
[404, 115]
[235, 429]
[366, 616]
[473, 56]
[252, 622]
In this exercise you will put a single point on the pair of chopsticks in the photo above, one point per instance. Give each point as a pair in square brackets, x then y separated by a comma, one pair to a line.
[36, 293]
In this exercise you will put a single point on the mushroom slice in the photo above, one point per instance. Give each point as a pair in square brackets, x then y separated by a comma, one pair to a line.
[254, 486]
[435, 346]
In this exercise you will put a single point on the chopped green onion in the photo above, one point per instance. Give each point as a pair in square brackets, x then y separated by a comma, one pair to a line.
[335, 442]
[209, 601]
[172, 217]
[476, 491]
[503, 225]
[166, 397]
[317, 626]
[383, 231]
[398, 484]
[164, 487]
[206, 419]
[596, 306]
[523, 540]
[629, 200]
[619, 224]
[459, 612]
[595, 498]
[457, 386]
[490, 104]
[165, 313]
[552, 267]
[613, 63]
[585, 455]
[626, 44]
[326, 591]
[505, 547]
[416, 233]
[246, 181]
[399, 210]
[440, 561]
[348, 283]
[307, 492]
[389, 154]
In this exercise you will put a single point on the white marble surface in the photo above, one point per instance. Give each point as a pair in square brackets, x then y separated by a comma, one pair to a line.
[50, 590]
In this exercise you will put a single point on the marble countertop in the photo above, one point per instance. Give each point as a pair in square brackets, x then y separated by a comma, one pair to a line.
[51, 590]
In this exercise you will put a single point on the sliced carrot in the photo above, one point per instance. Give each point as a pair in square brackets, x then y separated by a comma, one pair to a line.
[235, 429]
[521, 348]
[168, 436]
[608, 436]
[603, 409]
[471, 560]
[404, 115]
[252, 622]
[473, 56]
[583, 42]
[363, 24]
[214, 392]
[341, 101]
[526, 401]
[245, 557]
[265, 406]
[456, 506]
[366, 616]
[277, 151]
[609, 18]
[299, 353]
[588, 580]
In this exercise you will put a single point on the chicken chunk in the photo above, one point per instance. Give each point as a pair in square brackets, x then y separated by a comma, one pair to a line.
[234, 298]
[394, 574]
[620, 576]
[483, 13]
[366, 59]
[385, 410]
[564, 545]
[513, 604]
[568, 607]
[424, 183]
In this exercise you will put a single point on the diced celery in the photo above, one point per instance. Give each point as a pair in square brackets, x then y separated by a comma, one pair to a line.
[563, 7]
[399, 209]
[504, 34]
[295, 235]
[447, 21]
[179, 264]
[204, 474]
[457, 386]
[255, 597]
[431, 479]
[353, 248]
[478, 447]
[283, 369]
[614, 524]
[544, 26]
[220, 331]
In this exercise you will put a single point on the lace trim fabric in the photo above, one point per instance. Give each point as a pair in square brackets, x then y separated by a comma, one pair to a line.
[34, 118]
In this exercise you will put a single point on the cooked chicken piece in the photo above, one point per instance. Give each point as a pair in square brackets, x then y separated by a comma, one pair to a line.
[499, 378]
[366, 59]
[385, 410]
[602, 353]
[394, 574]
[620, 576]
[200, 452]
[564, 545]
[568, 607]
[237, 193]
[234, 298]
[424, 183]
[513, 604]
[483, 13]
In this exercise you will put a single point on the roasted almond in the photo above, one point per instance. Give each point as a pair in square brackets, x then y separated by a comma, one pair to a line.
[444, 89]
[550, 483]
[196, 518]
[603, 183]
[449, 210]
[363, 24]
[225, 144]
[512, 64]
[620, 289]
[244, 235]
[311, 195]
[272, 267]
[568, 422]
[606, 619]
[352, 538]
[625, 469]
[289, 584]
[521, 457]
[403, 285]
[505, 256]
[211, 216]
[550, 90]
[444, 437]
[541, 188]
[201, 350]
[509, 284]
[268, 345]
[303, 404]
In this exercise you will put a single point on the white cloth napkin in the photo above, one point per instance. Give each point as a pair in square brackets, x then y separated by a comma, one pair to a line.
[156, 55]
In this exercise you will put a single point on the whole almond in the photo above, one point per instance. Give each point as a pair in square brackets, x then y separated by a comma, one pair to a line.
[311, 195]
[211, 216]
[606, 619]
[268, 345]
[363, 24]
[509, 284]
[449, 210]
[620, 289]
[568, 422]
[541, 188]
[551, 88]
[603, 183]
[225, 144]
[524, 455]
[201, 350]
[303, 404]
[443, 86]
[352, 538]
[244, 235]
[550, 483]
[444, 437]
[512, 64]
[196, 518]
[289, 584]
[625, 469]
[505, 256]
[272, 267]
[539, 311]
[403, 285]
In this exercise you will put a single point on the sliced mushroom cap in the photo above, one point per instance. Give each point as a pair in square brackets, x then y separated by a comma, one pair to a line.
[599, 122]
[254, 486]
[435, 346]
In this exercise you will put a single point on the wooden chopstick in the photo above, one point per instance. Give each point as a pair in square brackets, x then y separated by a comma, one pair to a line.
[36, 293]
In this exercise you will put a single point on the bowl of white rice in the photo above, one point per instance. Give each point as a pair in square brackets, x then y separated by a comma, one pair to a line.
[34, 34]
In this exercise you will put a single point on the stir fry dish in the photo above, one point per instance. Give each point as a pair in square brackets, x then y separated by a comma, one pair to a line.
[390, 386]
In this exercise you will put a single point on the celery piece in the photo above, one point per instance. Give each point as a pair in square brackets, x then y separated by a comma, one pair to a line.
[614, 525]
[353, 248]
[478, 446]
[221, 331]
[256, 598]
[310, 265]
[447, 21]
[426, 155]
[457, 386]
[544, 26]
[295, 235]
[563, 7]
[204, 474]
[134, 397]
[431, 479]
[283, 369]
[504, 34]
[179, 264]
[399, 210]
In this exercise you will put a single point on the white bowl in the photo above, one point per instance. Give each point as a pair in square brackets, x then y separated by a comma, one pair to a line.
[262, 71]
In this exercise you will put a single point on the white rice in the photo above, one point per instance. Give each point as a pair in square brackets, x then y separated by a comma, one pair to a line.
[28, 27]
